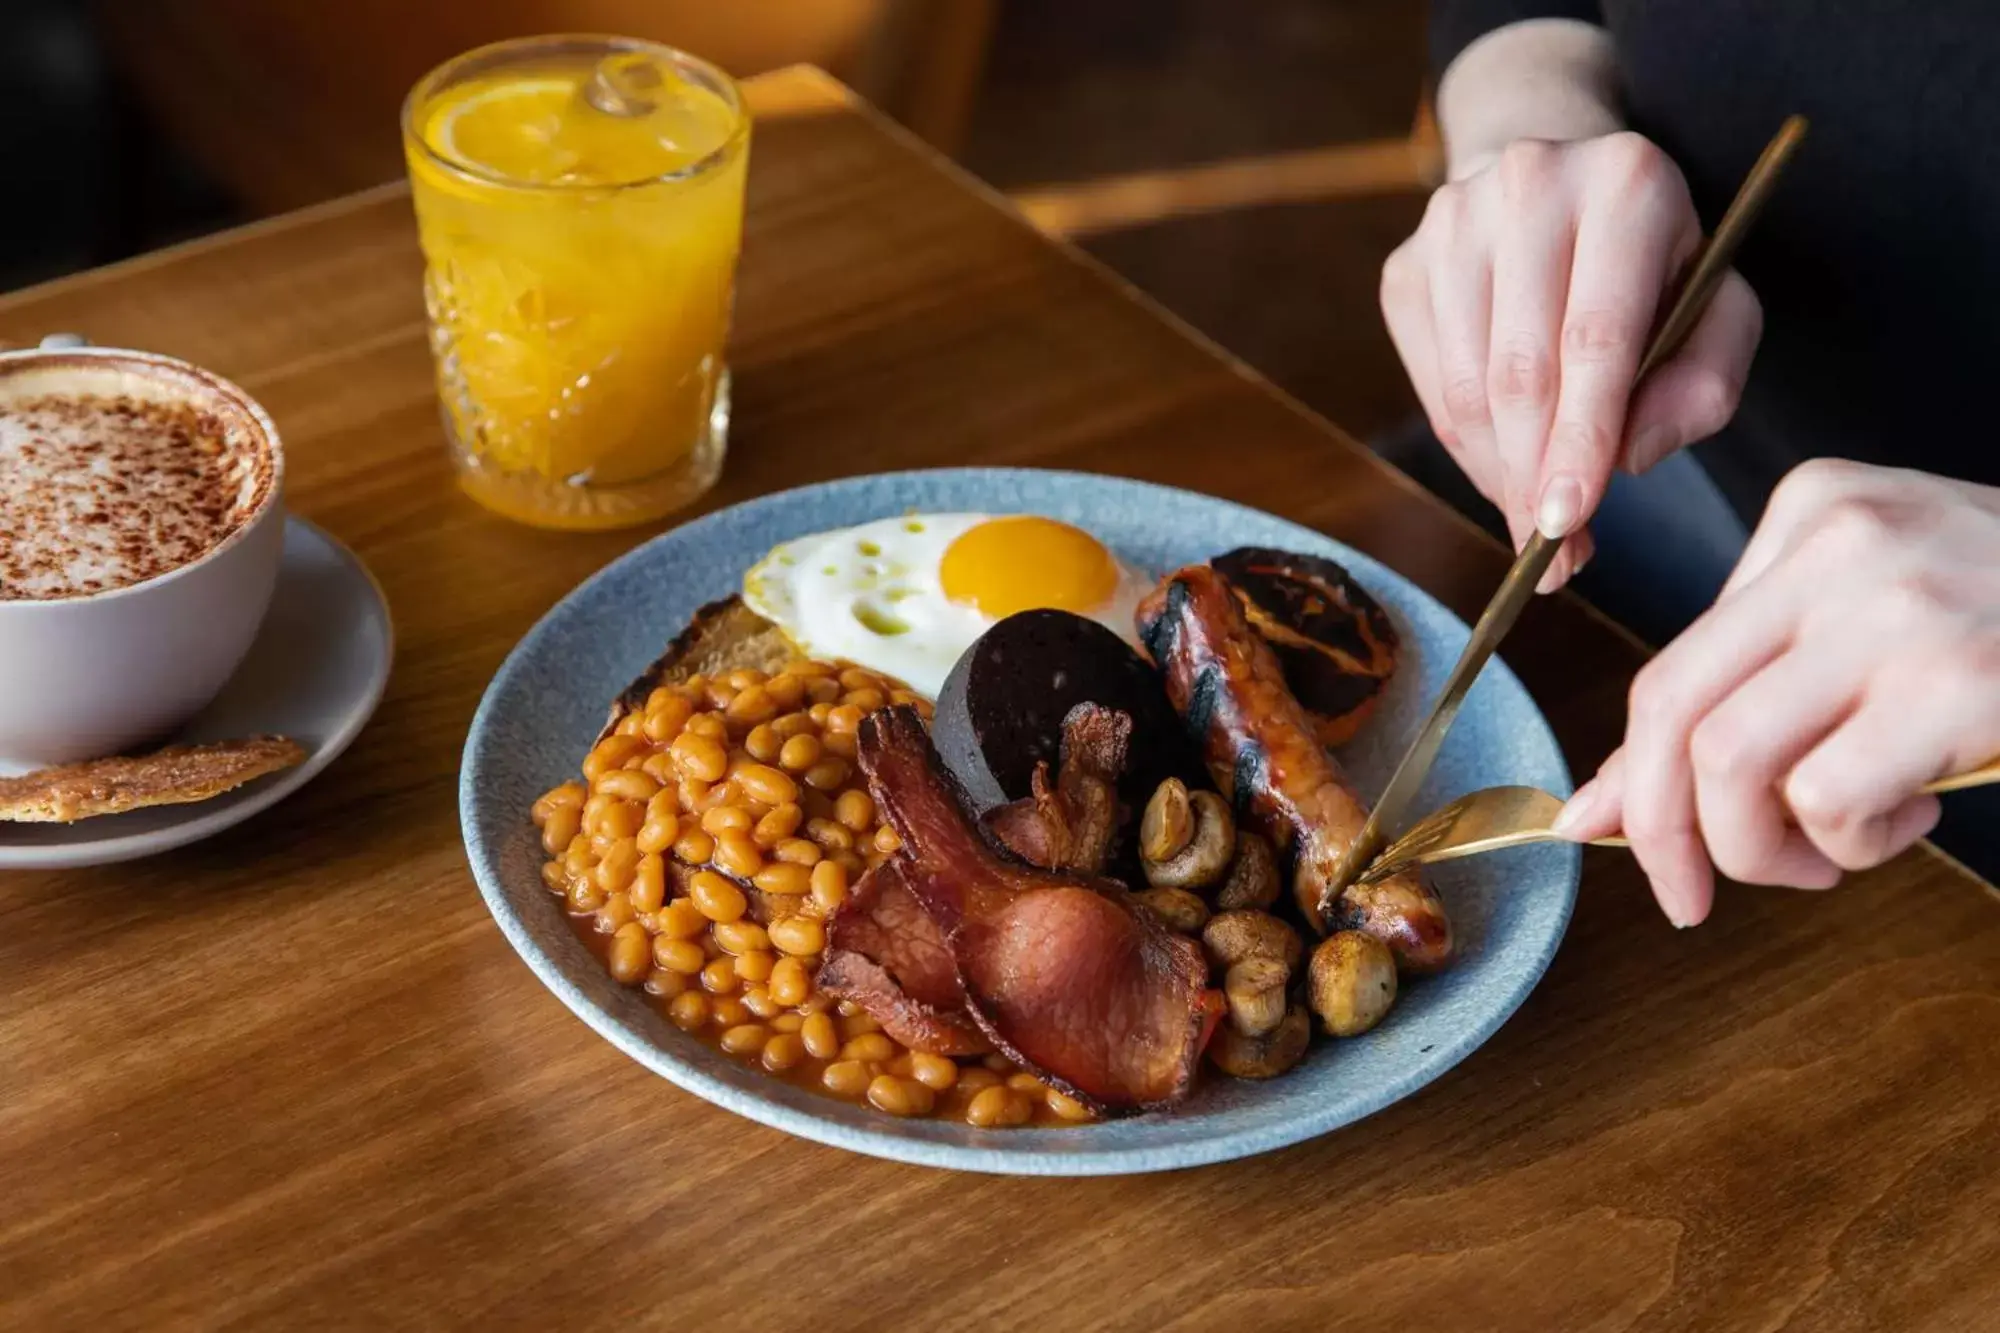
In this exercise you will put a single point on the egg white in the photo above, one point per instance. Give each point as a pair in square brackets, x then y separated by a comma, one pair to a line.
[871, 594]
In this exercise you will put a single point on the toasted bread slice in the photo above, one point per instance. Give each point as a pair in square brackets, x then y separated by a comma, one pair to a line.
[721, 637]
[176, 775]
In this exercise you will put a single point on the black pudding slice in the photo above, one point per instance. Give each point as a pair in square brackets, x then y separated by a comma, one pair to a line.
[1001, 710]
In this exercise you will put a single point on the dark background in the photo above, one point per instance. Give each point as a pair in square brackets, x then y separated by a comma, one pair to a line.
[1072, 93]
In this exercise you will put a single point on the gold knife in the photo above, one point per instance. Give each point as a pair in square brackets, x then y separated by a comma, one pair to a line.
[1704, 275]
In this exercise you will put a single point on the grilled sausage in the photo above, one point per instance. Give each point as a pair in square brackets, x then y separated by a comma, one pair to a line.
[1263, 755]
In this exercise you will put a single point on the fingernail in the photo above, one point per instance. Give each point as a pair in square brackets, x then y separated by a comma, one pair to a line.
[1670, 904]
[1562, 505]
[1576, 810]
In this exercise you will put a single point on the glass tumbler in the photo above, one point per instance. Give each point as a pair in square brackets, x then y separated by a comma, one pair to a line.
[580, 205]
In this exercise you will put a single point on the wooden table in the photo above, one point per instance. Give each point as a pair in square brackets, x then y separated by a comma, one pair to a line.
[294, 1075]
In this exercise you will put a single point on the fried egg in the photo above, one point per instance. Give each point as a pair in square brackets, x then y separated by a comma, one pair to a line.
[906, 596]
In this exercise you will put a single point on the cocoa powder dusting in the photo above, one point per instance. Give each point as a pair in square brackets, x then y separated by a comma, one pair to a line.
[100, 492]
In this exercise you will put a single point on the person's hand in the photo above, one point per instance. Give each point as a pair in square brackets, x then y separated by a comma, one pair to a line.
[1521, 307]
[1853, 656]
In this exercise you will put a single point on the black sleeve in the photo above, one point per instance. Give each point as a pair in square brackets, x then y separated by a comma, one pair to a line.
[1457, 24]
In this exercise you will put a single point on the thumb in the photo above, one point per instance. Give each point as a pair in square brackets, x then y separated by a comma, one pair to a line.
[1693, 395]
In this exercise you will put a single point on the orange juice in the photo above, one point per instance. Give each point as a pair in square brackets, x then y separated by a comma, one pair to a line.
[580, 205]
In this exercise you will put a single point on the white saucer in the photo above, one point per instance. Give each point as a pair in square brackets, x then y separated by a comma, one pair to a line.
[315, 674]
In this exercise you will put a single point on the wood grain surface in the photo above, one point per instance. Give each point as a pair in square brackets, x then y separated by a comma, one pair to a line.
[294, 1075]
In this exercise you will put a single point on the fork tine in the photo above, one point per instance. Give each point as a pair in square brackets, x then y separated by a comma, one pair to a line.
[1417, 839]
[1479, 821]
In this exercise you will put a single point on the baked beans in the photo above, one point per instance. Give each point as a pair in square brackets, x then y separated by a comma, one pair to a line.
[870, 1046]
[752, 705]
[698, 756]
[973, 1077]
[616, 867]
[996, 1106]
[722, 820]
[761, 782]
[649, 884]
[584, 896]
[713, 834]
[847, 1078]
[933, 1071]
[900, 1096]
[560, 827]
[763, 743]
[741, 937]
[628, 784]
[829, 886]
[800, 751]
[798, 851]
[829, 773]
[683, 956]
[615, 913]
[631, 953]
[716, 897]
[777, 826]
[783, 877]
[694, 847]
[867, 699]
[737, 855]
[855, 809]
[681, 920]
[745, 1039]
[821, 1036]
[830, 835]
[791, 983]
[783, 1051]
[799, 936]
[689, 1010]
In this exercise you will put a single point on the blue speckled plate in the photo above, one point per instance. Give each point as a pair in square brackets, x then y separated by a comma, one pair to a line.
[548, 701]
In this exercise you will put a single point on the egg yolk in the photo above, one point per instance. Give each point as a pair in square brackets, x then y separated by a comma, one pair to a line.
[1027, 563]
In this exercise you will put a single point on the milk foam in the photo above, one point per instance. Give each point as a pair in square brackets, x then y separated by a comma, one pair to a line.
[113, 473]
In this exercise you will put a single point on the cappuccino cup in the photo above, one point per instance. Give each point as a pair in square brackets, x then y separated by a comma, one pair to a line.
[141, 529]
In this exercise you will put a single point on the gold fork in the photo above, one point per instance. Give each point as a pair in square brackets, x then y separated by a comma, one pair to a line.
[1496, 817]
